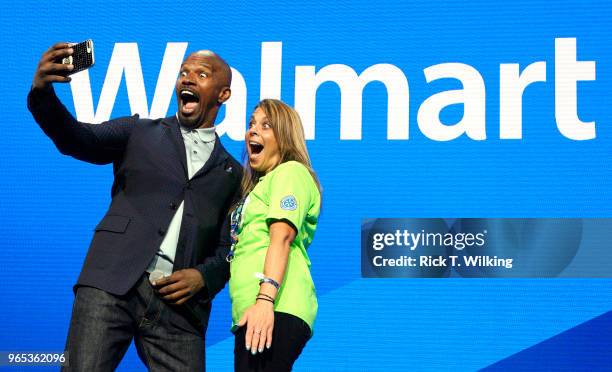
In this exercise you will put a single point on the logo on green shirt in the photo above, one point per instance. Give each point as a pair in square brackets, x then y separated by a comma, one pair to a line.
[288, 203]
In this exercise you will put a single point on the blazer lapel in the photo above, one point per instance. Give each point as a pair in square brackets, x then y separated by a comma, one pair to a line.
[173, 134]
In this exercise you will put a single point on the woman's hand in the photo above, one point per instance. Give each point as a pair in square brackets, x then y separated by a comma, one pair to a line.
[259, 320]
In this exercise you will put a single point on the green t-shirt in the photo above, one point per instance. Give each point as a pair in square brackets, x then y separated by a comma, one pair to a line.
[287, 192]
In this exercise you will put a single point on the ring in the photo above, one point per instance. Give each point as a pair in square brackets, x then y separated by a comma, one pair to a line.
[258, 332]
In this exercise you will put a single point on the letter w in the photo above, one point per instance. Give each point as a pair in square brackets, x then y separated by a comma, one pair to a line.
[126, 59]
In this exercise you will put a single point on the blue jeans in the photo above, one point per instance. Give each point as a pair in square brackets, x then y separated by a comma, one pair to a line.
[167, 338]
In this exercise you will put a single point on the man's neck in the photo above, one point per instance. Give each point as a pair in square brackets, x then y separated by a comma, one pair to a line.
[203, 125]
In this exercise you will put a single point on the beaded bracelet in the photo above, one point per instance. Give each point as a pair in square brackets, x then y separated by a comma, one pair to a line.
[264, 279]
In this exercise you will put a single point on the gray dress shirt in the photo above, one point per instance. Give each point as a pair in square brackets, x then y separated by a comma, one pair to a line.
[199, 144]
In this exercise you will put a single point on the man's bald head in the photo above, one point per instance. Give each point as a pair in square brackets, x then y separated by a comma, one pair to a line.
[223, 68]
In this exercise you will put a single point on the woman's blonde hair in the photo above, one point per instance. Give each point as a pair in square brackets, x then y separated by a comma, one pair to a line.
[289, 134]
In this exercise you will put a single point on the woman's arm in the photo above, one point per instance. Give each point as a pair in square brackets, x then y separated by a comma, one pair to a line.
[259, 318]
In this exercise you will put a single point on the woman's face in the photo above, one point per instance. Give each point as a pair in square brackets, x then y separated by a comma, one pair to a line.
[261, 143]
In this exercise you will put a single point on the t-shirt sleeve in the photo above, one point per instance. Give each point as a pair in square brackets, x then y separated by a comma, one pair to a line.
[290, 195]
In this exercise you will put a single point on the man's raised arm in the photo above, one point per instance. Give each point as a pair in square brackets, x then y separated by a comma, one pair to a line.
[94, 143]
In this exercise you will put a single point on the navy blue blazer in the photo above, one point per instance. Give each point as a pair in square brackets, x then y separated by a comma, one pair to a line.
[150, 181]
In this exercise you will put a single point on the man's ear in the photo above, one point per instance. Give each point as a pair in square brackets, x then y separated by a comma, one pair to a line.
[224, 95]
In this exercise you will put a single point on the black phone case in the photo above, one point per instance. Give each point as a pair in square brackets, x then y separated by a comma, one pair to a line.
[82, 57]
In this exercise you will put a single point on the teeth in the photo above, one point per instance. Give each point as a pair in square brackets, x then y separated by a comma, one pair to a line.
[187, 92]
[254, 143]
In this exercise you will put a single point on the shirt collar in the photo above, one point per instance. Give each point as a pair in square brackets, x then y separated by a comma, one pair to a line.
[205, 134]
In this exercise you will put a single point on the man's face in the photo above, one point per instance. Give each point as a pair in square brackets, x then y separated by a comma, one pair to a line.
[199, 89]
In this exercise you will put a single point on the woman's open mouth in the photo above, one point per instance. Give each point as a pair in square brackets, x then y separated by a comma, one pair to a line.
[255, 148]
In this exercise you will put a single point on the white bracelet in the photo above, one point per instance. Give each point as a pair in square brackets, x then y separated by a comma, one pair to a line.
[263, 279]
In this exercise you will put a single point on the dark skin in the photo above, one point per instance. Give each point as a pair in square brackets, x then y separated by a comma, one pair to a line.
[206, 77]
[202, 87]
[49, 71]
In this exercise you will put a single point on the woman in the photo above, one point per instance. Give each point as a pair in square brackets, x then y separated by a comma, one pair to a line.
[273, 297]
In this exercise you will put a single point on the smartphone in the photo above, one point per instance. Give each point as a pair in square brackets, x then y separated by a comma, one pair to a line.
[82, 58]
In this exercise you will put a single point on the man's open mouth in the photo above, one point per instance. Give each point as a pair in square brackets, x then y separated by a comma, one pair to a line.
[189, 101]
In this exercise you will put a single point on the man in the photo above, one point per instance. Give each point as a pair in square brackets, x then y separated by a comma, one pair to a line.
[173, 185]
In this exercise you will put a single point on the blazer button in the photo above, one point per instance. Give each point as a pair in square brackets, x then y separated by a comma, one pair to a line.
[173, 206]
[188, 186]
[161, 232]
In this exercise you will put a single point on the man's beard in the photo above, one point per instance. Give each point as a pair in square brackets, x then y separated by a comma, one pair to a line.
[188, 122]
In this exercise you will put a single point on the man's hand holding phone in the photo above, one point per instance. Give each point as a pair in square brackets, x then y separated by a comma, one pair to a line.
[61, 60]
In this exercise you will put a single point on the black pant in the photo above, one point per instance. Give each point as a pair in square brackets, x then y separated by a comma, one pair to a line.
[167, 338]
[289, 337]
